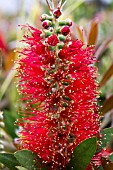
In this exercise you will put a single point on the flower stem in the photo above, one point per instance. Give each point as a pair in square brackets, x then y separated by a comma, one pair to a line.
[49, 6]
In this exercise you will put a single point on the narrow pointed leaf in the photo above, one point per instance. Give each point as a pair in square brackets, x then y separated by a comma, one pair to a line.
[106, 121]
[107, 105]
[102, 48]
[106, 164]
[63, 1]
[93, 32]
[106, 138]
[107, 76]
[29, 160]
[55, 2]
[80, 33]
[9, 120]
[9, 160]
[83, 154]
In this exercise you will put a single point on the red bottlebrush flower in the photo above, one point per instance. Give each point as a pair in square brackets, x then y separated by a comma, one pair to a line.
[59, 95]
[65, 30]
[52, 40]
[48, 58]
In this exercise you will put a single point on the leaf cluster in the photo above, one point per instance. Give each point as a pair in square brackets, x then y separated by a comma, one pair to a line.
[81, 157]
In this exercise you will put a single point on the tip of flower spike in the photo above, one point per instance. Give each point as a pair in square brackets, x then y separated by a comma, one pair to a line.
[57, 13]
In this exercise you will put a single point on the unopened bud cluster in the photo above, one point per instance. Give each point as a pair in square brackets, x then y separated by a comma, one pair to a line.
[55, 31]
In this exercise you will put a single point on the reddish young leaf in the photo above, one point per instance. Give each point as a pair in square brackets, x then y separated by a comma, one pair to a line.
[93, 32]
[108, 105]
[107, 76]
[9, 60]
[81, 33]
[106, 164]
[102, 47]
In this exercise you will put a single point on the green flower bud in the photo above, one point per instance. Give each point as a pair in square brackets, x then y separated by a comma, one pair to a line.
[62, 38]
[60, 46]
[46, 17]
[65, 105]
[47, 33]
[65, 22]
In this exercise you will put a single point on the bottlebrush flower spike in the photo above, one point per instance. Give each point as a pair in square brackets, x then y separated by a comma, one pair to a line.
[59, 93]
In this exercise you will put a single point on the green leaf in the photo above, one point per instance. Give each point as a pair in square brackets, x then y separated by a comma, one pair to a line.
[106, 138]
[111, 157]
[83, 154]
[9, 121]
[9, 160]
[29, 160]
[63, 1]
[26, 158]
